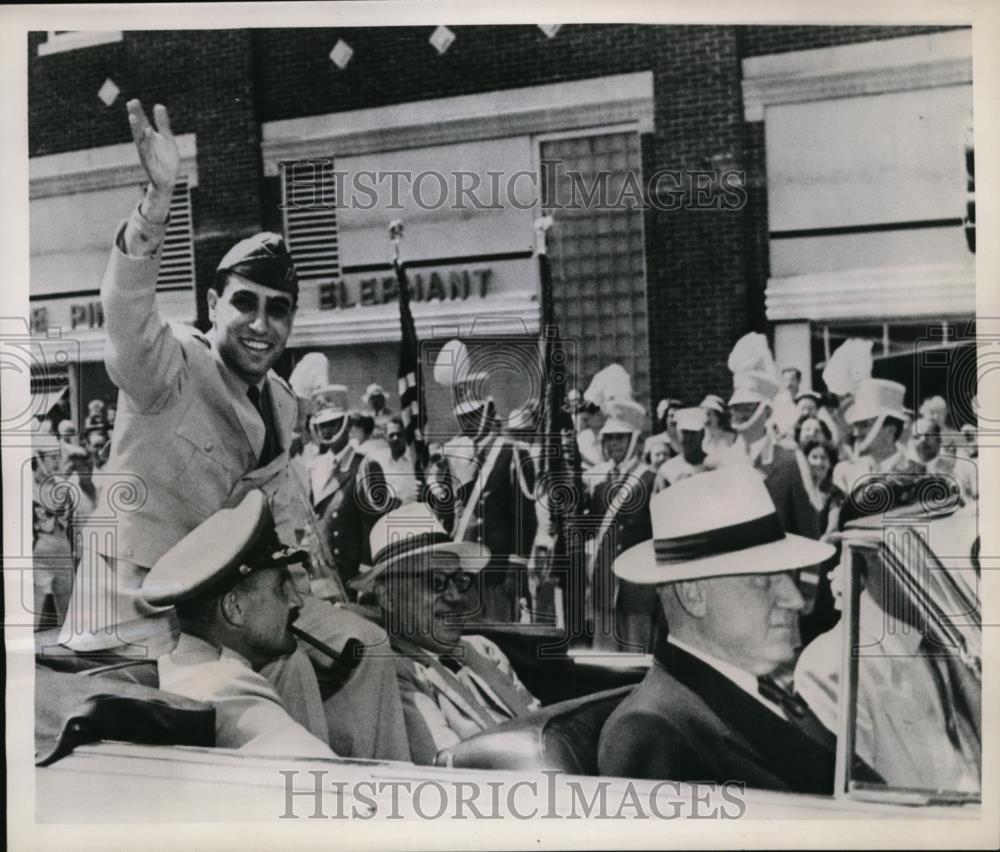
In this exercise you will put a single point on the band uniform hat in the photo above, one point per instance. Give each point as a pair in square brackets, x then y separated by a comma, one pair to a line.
[409, 531]
[227, 546]
[753, 386]
[469, 392]
[263, 259]
[877, 398]
[624, 417]
[809, 394]
[524, 418]
[716, 524]
[373, 390]
[690, 419]
[713, 403]
[330, 402]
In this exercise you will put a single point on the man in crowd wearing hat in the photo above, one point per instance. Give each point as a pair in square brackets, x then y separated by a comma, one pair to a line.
[877, 416]
[619, 490]
[807, 403]
[752, 404]
[203, 419]
[235, 600]
[426, 586]
[494, 507]
[375, 398]
[707, 710]
[348, 488]
[691, 426]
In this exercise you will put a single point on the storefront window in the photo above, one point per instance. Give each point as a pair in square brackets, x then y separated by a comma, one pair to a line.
[597, 252]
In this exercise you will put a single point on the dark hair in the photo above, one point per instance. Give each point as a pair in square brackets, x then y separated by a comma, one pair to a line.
[364, 421]
[397, 421]
[822, 427]
[895, 421]
[831, 454]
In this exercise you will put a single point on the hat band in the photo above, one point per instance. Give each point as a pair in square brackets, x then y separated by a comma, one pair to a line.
[402, 546]
[686, 548]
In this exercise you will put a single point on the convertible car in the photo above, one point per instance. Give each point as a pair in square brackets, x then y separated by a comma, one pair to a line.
[143, 756]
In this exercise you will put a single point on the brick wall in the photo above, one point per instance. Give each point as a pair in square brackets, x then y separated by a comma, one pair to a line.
[706, 269]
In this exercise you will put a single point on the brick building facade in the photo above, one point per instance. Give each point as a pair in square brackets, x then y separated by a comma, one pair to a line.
[658, 99]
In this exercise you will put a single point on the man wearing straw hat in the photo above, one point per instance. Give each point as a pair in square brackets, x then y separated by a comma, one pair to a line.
[707, 710]
[452, 686]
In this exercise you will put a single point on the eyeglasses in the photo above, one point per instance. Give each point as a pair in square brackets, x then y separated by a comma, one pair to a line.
[461, 579]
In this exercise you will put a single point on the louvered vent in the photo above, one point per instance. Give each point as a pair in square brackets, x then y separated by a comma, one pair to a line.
[177, 265]
[310, 207]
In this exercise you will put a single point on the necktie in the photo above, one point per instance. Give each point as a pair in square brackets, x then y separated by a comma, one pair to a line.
[793, 706]
[270, 448]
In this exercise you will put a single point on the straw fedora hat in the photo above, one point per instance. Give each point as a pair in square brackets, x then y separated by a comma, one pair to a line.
[409, 531]
[716, 524]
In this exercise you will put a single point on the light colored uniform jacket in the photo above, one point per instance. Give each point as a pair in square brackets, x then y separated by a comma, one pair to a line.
[177, 427]
[249, 715]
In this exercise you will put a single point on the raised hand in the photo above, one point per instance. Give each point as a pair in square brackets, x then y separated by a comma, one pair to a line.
[157, 147]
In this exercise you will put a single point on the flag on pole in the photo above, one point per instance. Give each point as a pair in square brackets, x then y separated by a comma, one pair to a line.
[411, 386]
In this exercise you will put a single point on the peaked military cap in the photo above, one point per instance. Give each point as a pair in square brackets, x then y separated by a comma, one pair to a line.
[211, 558]
[263, 259]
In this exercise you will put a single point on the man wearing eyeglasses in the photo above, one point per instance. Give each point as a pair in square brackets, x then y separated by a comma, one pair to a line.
[426, 585]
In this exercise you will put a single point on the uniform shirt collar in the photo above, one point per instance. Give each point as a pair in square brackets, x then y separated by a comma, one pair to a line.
[188, 645]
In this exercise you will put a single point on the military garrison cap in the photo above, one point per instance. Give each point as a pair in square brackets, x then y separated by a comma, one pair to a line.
[216, 554]
[264, 260]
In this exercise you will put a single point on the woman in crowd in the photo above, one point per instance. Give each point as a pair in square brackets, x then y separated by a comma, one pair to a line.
[719, 435]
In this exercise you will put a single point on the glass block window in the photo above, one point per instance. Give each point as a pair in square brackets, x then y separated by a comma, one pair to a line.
[597, 253]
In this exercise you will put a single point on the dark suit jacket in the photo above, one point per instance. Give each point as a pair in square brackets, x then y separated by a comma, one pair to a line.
[348, 508]
[502, 515]
[687, 722]
[797, 513]
[631, 526]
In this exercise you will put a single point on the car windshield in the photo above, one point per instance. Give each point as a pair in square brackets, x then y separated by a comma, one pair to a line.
[915, 666]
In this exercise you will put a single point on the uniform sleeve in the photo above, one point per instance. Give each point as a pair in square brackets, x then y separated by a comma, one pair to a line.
[142, 356]
[249, 715]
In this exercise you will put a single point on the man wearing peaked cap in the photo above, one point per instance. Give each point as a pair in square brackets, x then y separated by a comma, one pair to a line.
[624, 614]
[229, 582]
[348, 489]
[491, 475]
[196, 414]
[691, 426]
[452, 685]
[707, 711]
[202, 420]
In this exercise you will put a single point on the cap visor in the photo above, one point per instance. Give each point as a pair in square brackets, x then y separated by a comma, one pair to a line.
[638, 564]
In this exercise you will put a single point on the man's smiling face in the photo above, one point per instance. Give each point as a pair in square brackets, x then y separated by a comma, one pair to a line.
[252, 324]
